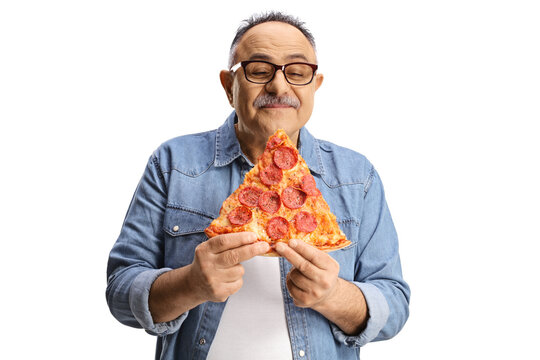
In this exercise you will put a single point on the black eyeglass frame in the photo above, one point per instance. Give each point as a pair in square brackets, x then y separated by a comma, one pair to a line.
[235, 67]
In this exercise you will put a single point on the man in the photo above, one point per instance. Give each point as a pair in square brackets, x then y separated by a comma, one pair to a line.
[215, 297]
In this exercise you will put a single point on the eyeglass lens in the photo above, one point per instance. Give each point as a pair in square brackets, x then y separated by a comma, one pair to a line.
[260, 72]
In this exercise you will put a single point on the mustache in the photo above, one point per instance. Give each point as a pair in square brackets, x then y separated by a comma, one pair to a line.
[267, 99]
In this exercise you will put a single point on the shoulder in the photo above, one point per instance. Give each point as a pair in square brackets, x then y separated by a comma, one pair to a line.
[343, 166]
[189, 154]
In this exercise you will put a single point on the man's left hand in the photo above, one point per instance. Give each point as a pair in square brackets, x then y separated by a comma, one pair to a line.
[314, 276]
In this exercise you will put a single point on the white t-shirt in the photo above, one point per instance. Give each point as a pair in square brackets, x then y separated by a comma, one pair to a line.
[253, 324]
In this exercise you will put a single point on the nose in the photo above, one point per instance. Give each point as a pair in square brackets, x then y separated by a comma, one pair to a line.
[278, 85]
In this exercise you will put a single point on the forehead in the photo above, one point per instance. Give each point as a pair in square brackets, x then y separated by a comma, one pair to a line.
[275, 41]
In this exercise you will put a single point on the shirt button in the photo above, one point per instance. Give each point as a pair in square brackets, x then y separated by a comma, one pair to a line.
[301, 353]
[176, 228]
[202, 341]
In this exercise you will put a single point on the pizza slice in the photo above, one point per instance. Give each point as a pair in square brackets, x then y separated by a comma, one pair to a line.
[279, 200]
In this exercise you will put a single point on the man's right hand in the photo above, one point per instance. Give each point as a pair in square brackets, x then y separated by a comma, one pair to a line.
[216, 272]
[214, 275]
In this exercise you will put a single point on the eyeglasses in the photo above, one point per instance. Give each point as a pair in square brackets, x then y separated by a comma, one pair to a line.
[262, 72]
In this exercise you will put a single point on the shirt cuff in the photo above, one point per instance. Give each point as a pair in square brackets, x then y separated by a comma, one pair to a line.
[378, 312]
[138, 303]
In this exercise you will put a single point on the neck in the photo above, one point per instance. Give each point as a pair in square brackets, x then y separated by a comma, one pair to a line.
[253, 144]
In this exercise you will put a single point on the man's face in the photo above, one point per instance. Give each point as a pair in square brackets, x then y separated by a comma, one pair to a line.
[278, 43]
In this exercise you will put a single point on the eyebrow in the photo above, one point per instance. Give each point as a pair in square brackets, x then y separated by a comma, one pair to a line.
[261, 56]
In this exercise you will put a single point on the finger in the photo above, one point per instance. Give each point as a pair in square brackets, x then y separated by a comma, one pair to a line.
[232, 274]
[298, 295]
[235, 256]
[310, 253]
[235, 286]
[228, 289]
[297, 260]
[224, 242]
[300, 280]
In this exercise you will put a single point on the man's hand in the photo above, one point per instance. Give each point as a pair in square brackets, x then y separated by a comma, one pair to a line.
[216, 272]
[214, 275]
[314, 276]
[313, 282]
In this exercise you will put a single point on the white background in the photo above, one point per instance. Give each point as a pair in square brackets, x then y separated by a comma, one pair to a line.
[442, 96]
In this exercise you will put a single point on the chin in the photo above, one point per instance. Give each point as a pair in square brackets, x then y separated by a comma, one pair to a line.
[283, 118]
[290, 127]
[280, 123]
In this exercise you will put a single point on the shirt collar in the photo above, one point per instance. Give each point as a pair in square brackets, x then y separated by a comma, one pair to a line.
[228, 147]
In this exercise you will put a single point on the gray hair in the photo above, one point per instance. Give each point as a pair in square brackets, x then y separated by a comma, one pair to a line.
[257, 19]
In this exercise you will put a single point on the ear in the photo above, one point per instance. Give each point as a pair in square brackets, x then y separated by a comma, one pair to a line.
[318, 81]
[226, 79]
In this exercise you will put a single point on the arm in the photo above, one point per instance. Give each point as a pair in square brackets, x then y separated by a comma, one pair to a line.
[378, 266]
[136, 258]
[214, 275]
[346, 308]
[375, 305]
[141, 292]
[314, 283]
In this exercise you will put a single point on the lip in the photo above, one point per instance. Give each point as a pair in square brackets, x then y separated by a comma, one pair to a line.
[276, 106]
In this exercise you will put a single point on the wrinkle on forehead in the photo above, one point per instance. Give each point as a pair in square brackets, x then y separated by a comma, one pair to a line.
[291, 56]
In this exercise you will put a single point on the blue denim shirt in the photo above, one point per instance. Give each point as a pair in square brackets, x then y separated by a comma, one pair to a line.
[181, 192]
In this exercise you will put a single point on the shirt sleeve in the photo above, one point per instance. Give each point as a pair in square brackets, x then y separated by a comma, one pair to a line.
[138, 303]
[378, 273]
[136, 259]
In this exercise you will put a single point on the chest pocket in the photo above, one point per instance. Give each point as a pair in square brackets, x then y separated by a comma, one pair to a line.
[183, 231]
[346, 257]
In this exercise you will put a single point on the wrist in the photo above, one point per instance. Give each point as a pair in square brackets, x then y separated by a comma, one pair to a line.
[188, 283]
[327, 303]
[191, 285]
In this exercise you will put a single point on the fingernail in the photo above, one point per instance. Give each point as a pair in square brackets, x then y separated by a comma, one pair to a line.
[292, 243]
[280, 246]
[264, 246]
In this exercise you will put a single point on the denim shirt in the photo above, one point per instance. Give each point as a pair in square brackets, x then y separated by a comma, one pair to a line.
[181, 192]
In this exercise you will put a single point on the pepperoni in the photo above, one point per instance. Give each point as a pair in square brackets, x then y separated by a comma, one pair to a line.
[239, 216]
[271, 175]
[249, 196]
[309, 186]
[273, 142]
[285, 157]
[293, 198]
[277, 228]
[305, 222]
[270, 202]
